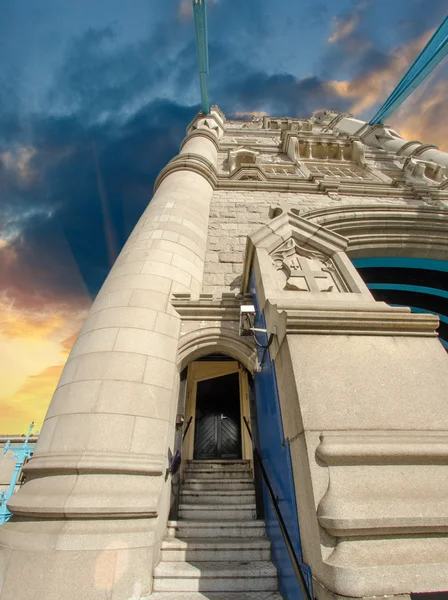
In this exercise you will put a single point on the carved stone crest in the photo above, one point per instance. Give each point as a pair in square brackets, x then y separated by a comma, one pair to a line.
[305, 269]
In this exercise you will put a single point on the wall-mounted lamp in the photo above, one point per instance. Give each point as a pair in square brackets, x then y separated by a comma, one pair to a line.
[247, 321]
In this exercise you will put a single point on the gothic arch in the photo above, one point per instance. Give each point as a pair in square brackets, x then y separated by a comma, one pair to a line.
[212, 340]
[401, 252]
[387, 230]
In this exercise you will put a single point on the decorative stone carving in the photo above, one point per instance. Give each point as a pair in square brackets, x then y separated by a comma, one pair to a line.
[305, 270]
[423, 171]
[209, 124]
[240, 157]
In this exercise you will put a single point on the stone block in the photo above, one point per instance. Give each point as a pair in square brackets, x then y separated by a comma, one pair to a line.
[149, 435]
[148, 299]
[226, 257]
[119, 298]
[95, 341]
[141, 399]
[169, 271]
[137, 282]
[167, 324]
[174, 248]
[160, 372]
[123, 366]
[76, 397]
[147, 343]
[128, 316]
[128, 268]
[187, 266]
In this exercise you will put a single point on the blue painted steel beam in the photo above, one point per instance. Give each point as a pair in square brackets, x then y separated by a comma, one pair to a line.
[200, 24]
[420, 289]
[434, 51]
[401, 262]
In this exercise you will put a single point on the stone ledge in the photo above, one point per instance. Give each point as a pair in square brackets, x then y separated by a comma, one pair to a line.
[96, 462]
[379, 447]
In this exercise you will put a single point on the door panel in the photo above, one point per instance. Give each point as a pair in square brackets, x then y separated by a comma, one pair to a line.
[217, 424]
[230, 437]
[206, 442]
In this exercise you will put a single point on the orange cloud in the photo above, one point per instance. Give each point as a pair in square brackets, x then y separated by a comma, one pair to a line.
[33, 351]
[423, 115]
[377, 84]
[31, 401]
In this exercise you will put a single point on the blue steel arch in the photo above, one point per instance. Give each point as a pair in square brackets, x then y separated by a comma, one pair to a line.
[420, 283]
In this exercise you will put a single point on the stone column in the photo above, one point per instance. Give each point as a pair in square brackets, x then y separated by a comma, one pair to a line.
[89, 520]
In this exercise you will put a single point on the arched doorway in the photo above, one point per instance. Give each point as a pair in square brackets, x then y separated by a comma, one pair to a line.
[216, 404]
[217, 419]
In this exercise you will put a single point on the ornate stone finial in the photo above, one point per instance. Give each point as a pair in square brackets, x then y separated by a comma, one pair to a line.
[209, 124]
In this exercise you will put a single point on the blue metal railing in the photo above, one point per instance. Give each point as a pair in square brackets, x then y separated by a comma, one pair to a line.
[21, 454]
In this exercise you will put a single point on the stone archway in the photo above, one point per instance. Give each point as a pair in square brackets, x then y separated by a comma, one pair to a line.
[212, 340]
[387, 229]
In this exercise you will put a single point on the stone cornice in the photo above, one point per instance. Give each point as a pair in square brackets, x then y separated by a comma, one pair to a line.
[346, 510]
[208, 308]
[194, 163]
[351, 320]
[201, 133]
[17, 438]
[382, 447]
[96, 462]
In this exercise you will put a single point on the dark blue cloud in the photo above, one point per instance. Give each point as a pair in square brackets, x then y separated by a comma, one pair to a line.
[65, 196]
[108, 125]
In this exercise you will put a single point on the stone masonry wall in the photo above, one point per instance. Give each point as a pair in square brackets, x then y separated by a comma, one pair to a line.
[236, 214]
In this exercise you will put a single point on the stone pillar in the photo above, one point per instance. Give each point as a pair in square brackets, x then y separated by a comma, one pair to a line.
[362, 388]
[89, 520]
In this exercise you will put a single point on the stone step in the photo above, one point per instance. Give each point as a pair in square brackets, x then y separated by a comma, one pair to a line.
[205, 473]
[211, 529]
[218, 484]
[221, 549]
[222, 497]
[218, 463]
[215, 596]
[215, 577]
[217, 512]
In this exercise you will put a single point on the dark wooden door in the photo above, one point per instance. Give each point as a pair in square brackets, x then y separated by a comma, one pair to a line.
[217, 430]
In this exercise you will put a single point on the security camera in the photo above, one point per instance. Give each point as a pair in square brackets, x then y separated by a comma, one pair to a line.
[247, 317]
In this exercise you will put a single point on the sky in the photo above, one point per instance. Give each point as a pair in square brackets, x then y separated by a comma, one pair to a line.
[95, 98]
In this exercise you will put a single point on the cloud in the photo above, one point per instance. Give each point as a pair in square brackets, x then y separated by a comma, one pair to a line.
[343, 28]
[423, 115]
[375, 85]
[29, 402]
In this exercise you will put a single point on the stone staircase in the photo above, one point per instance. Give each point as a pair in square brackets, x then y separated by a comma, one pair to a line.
[217, 550]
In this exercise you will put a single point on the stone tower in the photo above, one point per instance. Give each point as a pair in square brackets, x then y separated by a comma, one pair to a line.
[277, 208]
